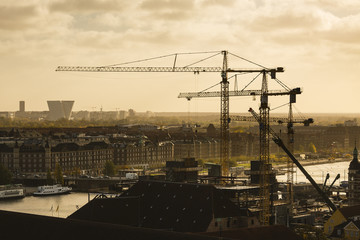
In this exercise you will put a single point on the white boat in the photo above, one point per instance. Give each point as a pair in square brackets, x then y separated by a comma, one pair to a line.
[12, 191]
[48, 190]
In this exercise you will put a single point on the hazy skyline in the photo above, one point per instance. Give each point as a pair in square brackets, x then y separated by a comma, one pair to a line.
[317, 42]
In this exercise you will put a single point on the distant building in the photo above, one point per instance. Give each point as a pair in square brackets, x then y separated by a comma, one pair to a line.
[132, 113]
[122, 115]
[7, 115]
[36, 158]
[185, 170]
[82, 115]
[59, 110]
[22, 106]
[350, 123]
[143, 153]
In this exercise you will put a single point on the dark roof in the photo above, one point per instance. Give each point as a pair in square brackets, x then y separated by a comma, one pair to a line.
[352, 211]
[180, 207]
[96, 145]
[32, 148]
[275, 232]
[61, 147]
[123, 210]
[29, 226]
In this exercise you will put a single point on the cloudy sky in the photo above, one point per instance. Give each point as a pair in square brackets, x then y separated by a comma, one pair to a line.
[316, 41]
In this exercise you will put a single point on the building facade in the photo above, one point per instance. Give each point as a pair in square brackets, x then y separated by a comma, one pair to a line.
[88, 158]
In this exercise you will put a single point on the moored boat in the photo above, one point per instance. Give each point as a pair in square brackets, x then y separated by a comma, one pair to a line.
[48, 190]
[12, 191]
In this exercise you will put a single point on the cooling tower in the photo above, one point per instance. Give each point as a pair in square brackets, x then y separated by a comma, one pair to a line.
[67, 107]
[59, 109]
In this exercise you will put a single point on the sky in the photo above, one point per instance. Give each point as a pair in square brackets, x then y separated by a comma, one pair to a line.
[316, 41]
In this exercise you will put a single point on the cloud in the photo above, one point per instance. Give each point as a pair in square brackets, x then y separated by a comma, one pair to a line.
[87, 6]
[17, 17]
[168, 10]
[346, 30]
[167, 4]
[218, 3]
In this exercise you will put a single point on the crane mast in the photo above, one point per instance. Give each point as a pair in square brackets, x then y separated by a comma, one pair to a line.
[265, 167]
[224, 119]
[290, 164]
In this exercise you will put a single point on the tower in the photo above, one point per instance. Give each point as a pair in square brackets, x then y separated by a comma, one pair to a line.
[22, 106]
[354, 179]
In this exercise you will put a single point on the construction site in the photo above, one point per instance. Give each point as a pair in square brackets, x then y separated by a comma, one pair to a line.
[260, 194]
[221, 201]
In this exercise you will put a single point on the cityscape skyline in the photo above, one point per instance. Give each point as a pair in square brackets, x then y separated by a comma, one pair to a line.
[315, 42]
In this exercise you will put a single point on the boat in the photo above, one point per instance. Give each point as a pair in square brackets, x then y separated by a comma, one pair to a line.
[49, 190]
[12, 191]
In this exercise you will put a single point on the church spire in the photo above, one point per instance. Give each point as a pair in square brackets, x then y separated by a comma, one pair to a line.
[354, 164]
[355, 153]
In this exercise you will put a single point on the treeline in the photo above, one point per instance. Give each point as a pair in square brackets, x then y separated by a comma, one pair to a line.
[64, 123]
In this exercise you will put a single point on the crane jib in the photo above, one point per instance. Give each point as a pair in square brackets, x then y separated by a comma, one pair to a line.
[139, 69]
[156, 69]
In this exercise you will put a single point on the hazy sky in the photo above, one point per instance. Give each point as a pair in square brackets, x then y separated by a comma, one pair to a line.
[316, 41]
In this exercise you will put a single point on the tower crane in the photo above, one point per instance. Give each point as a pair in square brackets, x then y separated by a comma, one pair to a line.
[265, 167]
[204, 94]
[224, 93]
[290, 121]
[281, 144]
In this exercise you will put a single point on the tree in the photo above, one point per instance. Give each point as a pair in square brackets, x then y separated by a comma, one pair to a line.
[232, 163]
[5, 175]
[312, 148]
[49, 179]
[76, 171]
[109, 168]
[58, 174]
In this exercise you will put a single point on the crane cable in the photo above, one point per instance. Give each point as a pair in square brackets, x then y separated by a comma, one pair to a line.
[201, 60]
[248, 61]
[159, 57]
[251, 81]
[279, 106]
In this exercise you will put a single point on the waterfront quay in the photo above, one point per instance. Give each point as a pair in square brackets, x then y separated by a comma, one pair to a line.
[114, 184]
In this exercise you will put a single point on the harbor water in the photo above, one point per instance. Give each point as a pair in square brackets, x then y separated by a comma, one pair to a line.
[58, 205]
[318, 173]
[64, 205]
